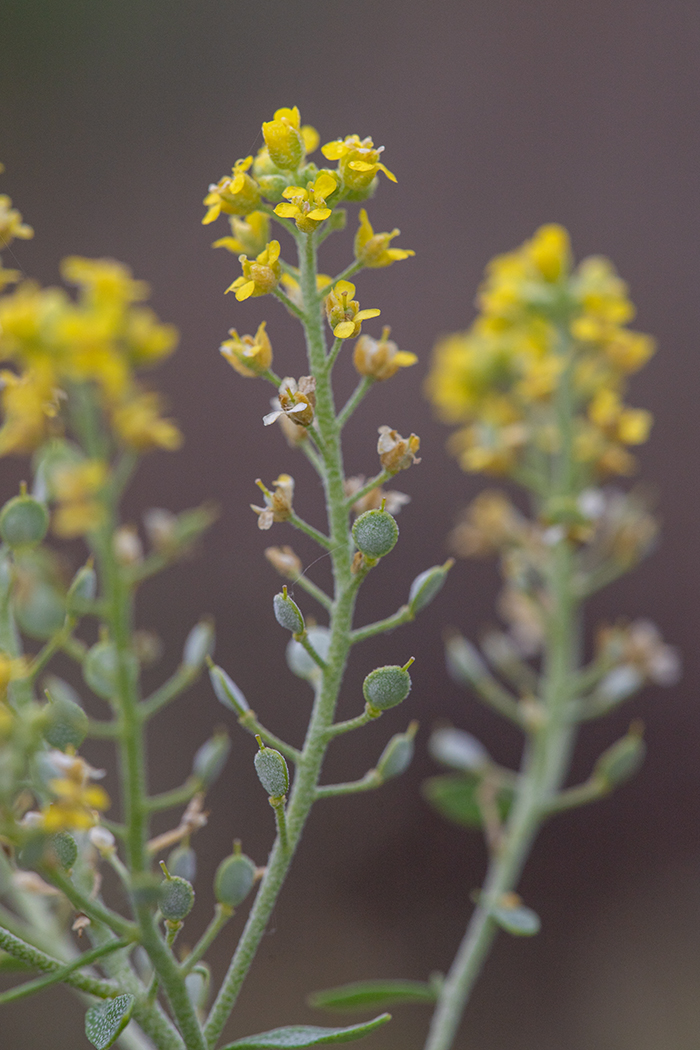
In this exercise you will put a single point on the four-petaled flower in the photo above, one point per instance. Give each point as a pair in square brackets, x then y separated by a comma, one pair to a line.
[259, 277]
[250, 235]
[278, 504]
[249, 355]
[343, 312]
[381, 358]
[308, 206]
[296, 402]
[286, 140]
[358, 161]
[395, 452]
[372, 249]
[235, 194]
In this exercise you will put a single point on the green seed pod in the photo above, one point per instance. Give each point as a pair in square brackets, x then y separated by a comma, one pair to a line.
[386, 687]
[427, 584]
[24, 521]
[65, 849]
[234, 879]
[182, 861]
[41, 610]
[287, 612]
[227, 692]
[375, 533]
[299, 661]
[100, 669]
[622, 760]
[175, 898]
[272, 770]
[197, 985]
[83, 588]
[398, 754]
[211, 758]
[464, 664]
[66, 723]
[199, 644]
[459, 750]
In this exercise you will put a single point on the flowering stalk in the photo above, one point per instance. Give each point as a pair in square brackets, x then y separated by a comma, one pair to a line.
[537, 385]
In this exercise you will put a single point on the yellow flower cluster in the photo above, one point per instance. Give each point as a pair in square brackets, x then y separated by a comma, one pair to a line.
[77, 801]
[544, 328]
[12, 228]
[55, 344]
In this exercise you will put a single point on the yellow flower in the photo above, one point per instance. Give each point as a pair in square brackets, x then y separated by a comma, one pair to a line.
[359, 161]
[29, 404]
[283, 139]
[550, 251]
[278, 504]
[11, 668]
[293, 288]
[250, 235]
[78, 801]
[11, 225]
[235, 194]
[248, 355]
[343, 312]
[380, 359]
[372, 249]
[308, 206]
[259, 277]
[138, 424]
[76, 487]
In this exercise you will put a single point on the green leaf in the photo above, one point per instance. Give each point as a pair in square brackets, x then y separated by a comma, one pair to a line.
[454, 796]
[300, 1036]
[520, 921]
[105, 1022]
[362, 994]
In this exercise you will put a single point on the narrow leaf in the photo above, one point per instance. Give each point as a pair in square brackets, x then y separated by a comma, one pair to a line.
[298, 1037]
[363, 994]
[520, 921]
[105, 1022]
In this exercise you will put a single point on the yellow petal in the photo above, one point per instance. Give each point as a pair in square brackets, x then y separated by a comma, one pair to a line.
[287, 211]
[318, 213]
[389, 174]
[334, 150]
[345, 288]
[292, 115]
[324, 186]
[344, 330]
[364, 314]
[311, 138]
[212, 214]
[229, 242]
[404, 358]
[362, 165]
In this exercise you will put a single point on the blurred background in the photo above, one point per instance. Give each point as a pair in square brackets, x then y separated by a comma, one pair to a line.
[496, 116]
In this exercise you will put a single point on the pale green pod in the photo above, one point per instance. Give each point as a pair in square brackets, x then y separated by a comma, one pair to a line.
[398, 754]
[182, 861]
[375, 533]
[24, 521]
[199, 644]
[621, 760]
[211, 757]
[83, 588]
[64, 848]
[66, 724]
[234, 879]
[427, 585]
[227, 692]
[175, 898]
[287, 612]
[100, 669]
[272, 771]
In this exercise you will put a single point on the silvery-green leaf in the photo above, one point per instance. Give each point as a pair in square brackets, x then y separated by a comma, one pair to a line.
[105, 1022]
[301, 1036]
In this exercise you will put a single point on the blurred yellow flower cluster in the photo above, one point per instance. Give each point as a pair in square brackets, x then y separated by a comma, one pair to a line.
[545, 331]
[57, 344]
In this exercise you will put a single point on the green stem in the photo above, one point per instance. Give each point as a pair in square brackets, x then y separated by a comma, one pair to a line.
[314, 534]
[57, 976]
[310, 587]
[368, 782]
[402, 615]
[222, 914]
[250, 722]
[183, 678]
[39, 960]
[376, 482]
[177, 797]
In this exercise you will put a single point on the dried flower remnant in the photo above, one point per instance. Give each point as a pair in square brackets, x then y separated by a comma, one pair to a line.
[278, 504]
[395, 452]
[296, 400]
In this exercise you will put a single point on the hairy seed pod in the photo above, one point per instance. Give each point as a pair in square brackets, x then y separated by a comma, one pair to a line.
[227, 692]
[66, 724]
[386, 687]
[182, 861]
[398, 754]
[272, 771]
[426, 585]
[64, 848]
[83, 588]
[211, 757]
[287, 612]
[375, 533]
[175, 898]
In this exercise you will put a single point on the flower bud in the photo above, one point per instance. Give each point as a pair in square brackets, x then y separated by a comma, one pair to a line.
[83, 588]
[427, 585]
[211, 757]
[199, 644]
[272, 770]
[460, 750]
[66, 723]
[283, 139]
[287, 612]
[175, 897]
[388, 686]
[227, 692]
[234, 879]
[622, 760]
[273, 186]
[24, 522]
[375, 533]
[398, 754]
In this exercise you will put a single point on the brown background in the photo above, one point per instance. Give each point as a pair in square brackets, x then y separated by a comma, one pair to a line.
[496, 116]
